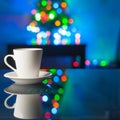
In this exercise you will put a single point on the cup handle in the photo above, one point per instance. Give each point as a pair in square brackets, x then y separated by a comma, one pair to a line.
[6, 102]
[5, 61]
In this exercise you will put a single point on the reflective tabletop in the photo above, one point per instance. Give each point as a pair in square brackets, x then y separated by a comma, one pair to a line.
[70, 94]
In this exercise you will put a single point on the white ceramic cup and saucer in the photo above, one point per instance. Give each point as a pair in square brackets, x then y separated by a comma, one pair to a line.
[27, 61]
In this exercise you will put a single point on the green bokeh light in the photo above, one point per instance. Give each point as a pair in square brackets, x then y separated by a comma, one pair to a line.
[45, 81]
[103, 63]
[43, 3]
[57, 97]
[53, 71]
[52, 14]
[64, 27]
[64, 21]
[33, 41]
[68, 41]
[60, 90]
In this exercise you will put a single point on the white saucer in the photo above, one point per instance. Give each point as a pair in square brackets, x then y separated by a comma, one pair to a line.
[13, 76]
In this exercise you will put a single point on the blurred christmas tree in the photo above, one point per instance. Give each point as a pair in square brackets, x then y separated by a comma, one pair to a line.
[52, 24]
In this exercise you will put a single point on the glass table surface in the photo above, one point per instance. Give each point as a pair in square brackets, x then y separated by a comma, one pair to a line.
[79, 94]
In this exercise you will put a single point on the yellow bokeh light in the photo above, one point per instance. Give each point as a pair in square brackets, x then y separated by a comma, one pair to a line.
[33, 24]
[63, 4]
[43, 13]
[48, 7]
[57, 23]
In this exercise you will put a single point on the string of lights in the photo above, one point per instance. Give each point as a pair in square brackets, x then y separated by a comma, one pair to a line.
[52, 100]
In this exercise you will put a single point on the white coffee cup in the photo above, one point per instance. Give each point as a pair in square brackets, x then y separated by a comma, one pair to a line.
[27, 61]
[27, 106]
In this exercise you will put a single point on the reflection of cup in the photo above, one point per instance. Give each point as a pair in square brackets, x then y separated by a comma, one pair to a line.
[27, 106]
[27, 61]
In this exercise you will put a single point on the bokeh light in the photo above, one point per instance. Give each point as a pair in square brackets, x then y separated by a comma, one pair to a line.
[64, 21]
[53, 71]
[77, 41]
[48, 7]
[56, 41]
[55, 104]
[59, 72]
[54, 111]
[45, 98]
[52, 14]
[55, 5]
[56, 79]
[64, 42]
[63, 5]
[87, 62]
[37, 17]
[57, 23]
[77, 35]
[95, 62]
[59, 11]
[75, 64]
[60, 90]
[45, 81]
[103, 63]
[43, 3]
[64, 78]
[70, 20]
[33, 11]
[50, 81]
[47, 115]
[57, 97]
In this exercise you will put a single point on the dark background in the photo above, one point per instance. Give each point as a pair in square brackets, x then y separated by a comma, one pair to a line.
[97, 22]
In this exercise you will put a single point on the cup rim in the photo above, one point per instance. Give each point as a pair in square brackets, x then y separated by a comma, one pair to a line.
[27, 49]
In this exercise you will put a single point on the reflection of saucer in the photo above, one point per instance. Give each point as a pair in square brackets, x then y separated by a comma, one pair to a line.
[29, 89]
[13, 76]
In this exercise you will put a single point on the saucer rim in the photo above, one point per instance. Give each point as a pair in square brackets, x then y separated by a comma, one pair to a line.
[20, 78]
